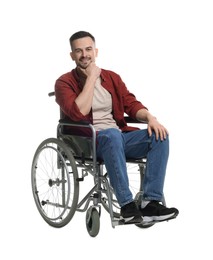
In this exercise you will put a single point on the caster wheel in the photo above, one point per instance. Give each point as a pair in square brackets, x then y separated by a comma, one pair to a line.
[92, 221]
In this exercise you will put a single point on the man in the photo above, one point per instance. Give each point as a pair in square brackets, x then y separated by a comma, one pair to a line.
[101, 97]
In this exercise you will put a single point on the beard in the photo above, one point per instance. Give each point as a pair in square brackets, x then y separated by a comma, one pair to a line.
[84, 62]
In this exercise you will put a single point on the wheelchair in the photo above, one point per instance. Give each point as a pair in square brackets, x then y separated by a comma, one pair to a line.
[62, 164]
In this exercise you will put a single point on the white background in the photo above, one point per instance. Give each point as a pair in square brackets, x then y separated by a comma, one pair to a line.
[163, 51]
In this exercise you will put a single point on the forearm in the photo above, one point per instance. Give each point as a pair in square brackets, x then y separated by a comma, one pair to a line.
[85, 98]
[144, 115]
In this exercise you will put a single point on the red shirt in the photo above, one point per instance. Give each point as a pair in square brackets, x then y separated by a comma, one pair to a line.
[69, 86]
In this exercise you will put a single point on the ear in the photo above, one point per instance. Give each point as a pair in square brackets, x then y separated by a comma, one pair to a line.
[71, 55]
[96, 52]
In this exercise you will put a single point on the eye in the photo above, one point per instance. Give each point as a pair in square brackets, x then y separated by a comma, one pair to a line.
[77, 51]
[89, 48]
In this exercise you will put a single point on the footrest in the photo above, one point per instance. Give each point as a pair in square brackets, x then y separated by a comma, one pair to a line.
[132, 221]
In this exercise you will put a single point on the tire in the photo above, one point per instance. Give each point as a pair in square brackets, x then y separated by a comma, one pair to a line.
[54, 182]
[92, 221]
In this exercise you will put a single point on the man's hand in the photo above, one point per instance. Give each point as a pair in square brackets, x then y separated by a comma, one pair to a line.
[91, 70]
[153, 124]
[160, 131]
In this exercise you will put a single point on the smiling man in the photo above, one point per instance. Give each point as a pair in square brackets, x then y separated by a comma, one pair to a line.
[100, 97]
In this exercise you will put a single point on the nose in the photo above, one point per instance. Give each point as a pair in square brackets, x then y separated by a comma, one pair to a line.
[84, 53]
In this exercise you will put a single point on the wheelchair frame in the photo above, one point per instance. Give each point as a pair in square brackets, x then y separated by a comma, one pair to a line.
[55, 179]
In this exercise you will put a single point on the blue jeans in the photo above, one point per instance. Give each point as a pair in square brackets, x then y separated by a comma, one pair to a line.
[113, 147]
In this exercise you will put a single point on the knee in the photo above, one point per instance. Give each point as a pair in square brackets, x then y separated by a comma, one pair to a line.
[162, 143]
[111, 135]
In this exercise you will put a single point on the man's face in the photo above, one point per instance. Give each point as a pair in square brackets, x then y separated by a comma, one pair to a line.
[83, 52]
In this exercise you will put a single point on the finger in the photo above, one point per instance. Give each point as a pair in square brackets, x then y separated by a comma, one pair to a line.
[149, 131]
[165, 133]
[162, 135]
[156, 130]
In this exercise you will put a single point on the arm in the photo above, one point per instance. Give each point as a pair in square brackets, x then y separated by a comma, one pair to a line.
[84, 99]
[153, 124]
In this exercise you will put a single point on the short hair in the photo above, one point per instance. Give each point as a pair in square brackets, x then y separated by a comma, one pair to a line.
[79, 35]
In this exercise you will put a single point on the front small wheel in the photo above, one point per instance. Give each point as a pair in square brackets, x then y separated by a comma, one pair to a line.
[93, 221]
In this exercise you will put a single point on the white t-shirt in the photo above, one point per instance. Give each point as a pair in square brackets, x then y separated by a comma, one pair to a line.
[102, 108]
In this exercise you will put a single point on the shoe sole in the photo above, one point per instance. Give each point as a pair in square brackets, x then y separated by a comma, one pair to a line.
[147, 219]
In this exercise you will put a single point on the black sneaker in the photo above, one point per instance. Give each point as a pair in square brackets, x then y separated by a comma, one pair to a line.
[155, 212]
[130, 213]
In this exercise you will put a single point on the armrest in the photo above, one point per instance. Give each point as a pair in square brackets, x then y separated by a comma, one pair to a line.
[51, 94]
[77, 128]
[130, 120]
[73, 123]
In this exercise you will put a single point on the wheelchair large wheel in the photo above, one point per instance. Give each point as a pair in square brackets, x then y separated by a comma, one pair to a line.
[54, 182]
